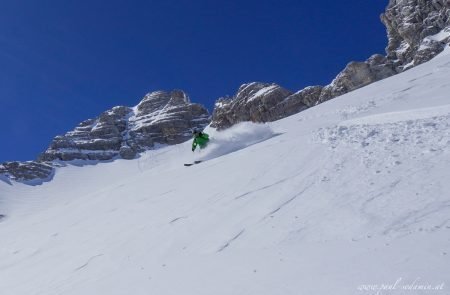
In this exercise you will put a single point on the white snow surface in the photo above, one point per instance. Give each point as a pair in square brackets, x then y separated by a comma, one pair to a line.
[262, 92]
[338, 199]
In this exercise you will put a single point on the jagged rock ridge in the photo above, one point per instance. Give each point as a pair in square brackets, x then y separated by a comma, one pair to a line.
[417, 30]
[160, 118]
[257, 102]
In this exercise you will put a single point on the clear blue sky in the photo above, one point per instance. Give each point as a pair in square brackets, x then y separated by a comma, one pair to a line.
[65, 61]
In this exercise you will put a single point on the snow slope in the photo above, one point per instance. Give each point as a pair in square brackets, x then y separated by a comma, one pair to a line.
[338, 199]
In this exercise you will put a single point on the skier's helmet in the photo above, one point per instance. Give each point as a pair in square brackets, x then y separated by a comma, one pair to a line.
[195, 131]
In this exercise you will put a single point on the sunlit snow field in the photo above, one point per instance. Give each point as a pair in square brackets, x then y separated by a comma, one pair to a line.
[353, 192]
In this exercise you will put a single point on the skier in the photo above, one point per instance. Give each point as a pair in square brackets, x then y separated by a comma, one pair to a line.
[200, 138]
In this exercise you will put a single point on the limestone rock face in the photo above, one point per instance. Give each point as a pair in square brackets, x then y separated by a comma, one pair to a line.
[263, 102]
[256, 102]
[161, 117]
[26, 171]
[357, 75]
[165, 118]
[417, 30]
[309, 95]
[93, 139]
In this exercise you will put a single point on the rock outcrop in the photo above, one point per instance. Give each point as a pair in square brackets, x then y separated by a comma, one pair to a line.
[262, 102]
[357, 75]
[417, 30]
[256, 102]
[26, 171]
[160, 118]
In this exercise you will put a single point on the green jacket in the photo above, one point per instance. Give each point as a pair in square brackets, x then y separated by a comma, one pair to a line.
[201, 140]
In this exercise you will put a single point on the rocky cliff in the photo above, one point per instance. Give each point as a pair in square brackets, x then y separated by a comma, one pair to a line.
[417, 31]
[257, 102]
[26, 171]
[161, 117]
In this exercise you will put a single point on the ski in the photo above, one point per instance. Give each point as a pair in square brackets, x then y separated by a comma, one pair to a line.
[190, 164]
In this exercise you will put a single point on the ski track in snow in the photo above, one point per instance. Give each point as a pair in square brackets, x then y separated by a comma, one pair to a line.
[87, 262]
[228, 243]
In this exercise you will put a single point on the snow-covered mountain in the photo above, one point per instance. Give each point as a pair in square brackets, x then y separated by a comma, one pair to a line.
[338, 199]
[417, 31]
